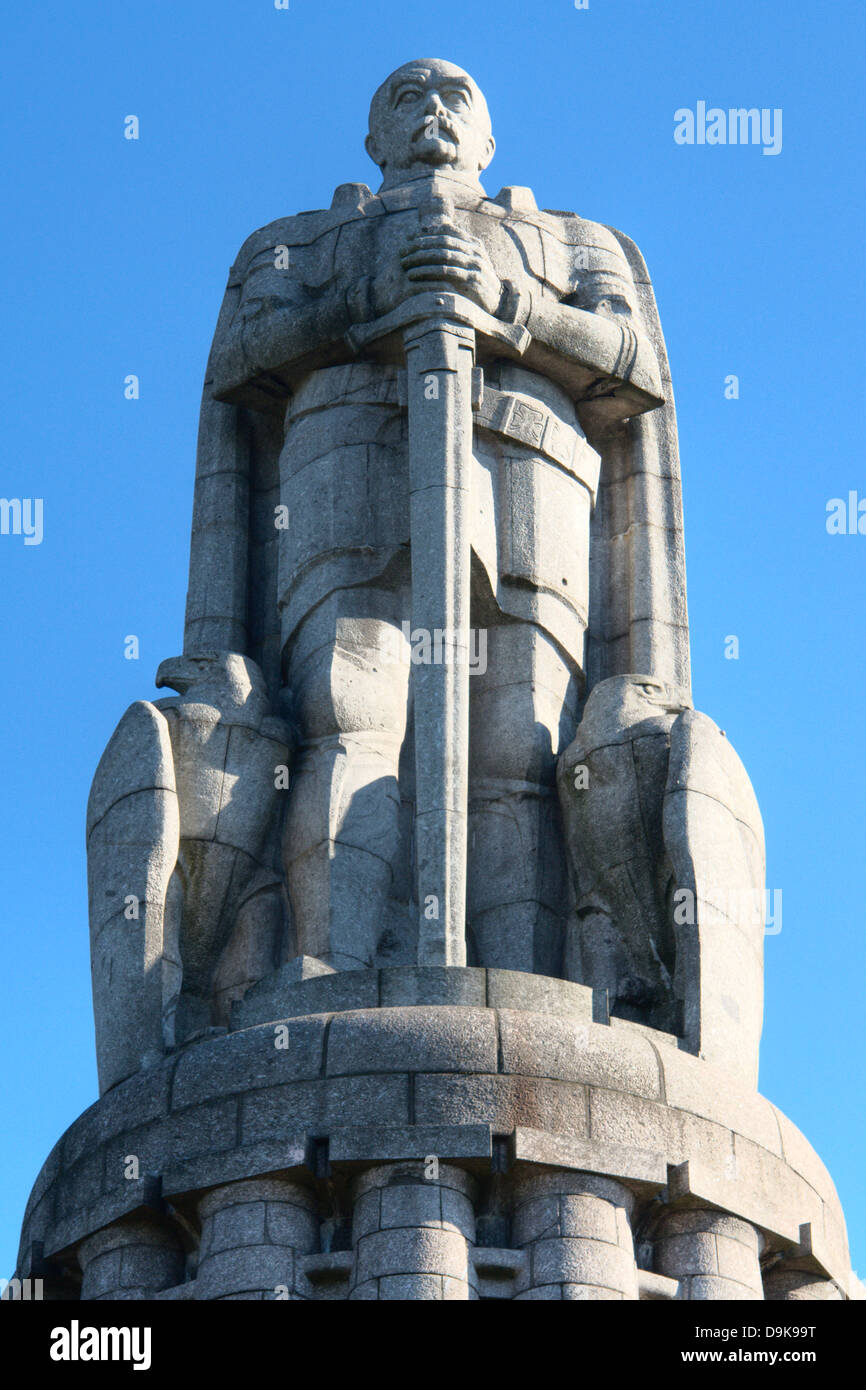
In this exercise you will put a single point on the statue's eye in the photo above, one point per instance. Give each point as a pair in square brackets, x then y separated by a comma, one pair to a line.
[457, 98]
[407, 95]
[651, 689]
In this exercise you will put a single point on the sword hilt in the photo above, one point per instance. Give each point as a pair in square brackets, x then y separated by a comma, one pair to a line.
[434, 304]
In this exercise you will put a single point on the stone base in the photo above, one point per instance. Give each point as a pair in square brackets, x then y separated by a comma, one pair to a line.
[425, 1134]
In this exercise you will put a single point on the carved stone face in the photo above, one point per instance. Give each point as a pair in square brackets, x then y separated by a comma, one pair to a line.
[224, 678]
[429, 115]
[616, 706]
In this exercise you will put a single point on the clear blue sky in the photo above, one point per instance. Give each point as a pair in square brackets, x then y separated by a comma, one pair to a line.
[115, 257]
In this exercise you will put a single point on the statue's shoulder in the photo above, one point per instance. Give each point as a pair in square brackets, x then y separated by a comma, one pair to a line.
[597, 239]
[561, 248]
[601, 251]
[351, 202]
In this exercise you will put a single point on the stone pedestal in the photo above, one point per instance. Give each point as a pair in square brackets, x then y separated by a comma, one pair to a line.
[357, 1135]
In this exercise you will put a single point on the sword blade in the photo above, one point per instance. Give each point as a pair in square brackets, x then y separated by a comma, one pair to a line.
[439, 358]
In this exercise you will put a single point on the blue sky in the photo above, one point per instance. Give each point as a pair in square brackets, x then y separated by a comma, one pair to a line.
[115, 258]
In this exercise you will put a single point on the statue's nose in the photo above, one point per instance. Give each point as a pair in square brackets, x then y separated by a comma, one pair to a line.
[434, 104]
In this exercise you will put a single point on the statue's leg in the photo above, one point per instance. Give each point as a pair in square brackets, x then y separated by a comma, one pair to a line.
[522, 714]
[348, 673]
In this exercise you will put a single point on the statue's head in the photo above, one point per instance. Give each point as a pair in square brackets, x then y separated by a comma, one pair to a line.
[429, 115]
[224, 679]
[619, 704]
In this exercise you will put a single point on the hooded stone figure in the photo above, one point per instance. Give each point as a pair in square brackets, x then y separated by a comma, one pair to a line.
[184, 888]
[300, 542]
[666, 847]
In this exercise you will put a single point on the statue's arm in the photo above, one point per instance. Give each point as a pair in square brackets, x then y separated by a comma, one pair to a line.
[280, 327]
[601, 348]
[596, 329]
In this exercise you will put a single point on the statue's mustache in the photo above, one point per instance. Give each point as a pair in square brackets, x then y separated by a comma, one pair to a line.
[436, 129]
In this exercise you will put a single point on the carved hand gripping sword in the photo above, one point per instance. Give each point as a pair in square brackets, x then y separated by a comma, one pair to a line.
[439, 340]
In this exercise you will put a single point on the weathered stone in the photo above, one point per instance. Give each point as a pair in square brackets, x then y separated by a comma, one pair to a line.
[556, 1047]
[201, 1129]
[580, 1262]
[312, 1106]
[254, 1235]
[710, 1090]
[588, 1155]
[404, 985]
[411, 1206]
[510, 989]
[503, 1102]
[710, 1254]
[428, 1040]
[84, 1182]
[130, 1260]
[282, 995]
[411, 1243]
[256, 1058]
[125, 1107]
[231, 1165]
[575, 1229]
[783, 1285]
[800, 1156]
[368, 1143]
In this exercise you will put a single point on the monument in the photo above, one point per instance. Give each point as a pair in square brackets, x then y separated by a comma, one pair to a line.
[427, 914]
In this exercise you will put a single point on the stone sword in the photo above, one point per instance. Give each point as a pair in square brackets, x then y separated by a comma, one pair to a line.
[438, 343]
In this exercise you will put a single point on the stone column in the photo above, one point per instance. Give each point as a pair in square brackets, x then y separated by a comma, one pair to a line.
[575, 1230]
[252, 1234]
[714, 1256]
[412, 1236]
[784, 1282]
[127, 1260]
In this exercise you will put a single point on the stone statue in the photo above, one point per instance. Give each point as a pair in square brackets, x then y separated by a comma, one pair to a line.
[425, 920]
[181, 856]
[666, 845]
[300, 420]
[427, 413]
